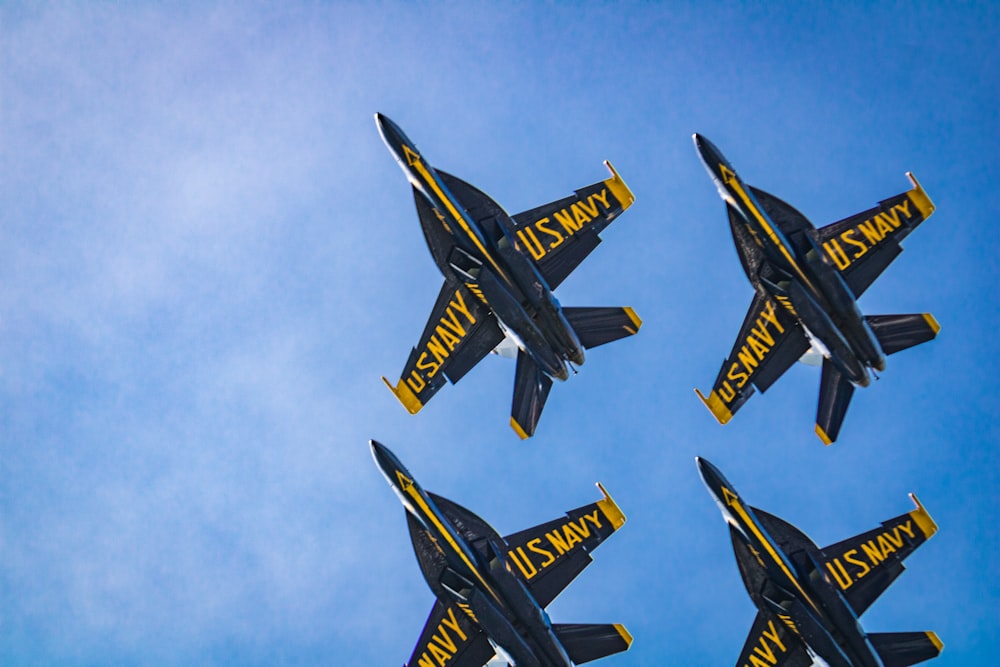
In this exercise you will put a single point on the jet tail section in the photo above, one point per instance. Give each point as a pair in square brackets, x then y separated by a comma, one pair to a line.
[835, 392]
[531, 388]
[900, 649]
[597, 326]
[586, 642]
[899, 332]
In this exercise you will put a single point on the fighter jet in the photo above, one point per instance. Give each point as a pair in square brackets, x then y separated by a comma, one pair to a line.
[807, 283]
[492, 591]
[809, 599]
[499, 273]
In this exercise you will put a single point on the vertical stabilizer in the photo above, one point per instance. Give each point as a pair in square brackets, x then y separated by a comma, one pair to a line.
[835, 392]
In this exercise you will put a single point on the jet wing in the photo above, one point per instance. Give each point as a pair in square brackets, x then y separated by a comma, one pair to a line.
[460, 332]
[773, 644]
[560, 235]
[864, 565]
[550, 555]
[450, 637]
[769, 342]
[863, 245]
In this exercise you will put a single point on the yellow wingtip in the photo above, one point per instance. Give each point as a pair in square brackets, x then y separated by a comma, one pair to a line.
[919, 197]
[404, 395]
[610, 508]
[636, 320]
[618, 188]
[922, 518]
[715, 405]
[517, 429]
[823, 436]
[624, 634]
[932, 323]
[938, 644]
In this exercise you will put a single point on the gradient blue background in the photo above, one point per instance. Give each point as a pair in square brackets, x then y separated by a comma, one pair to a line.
[207, 258]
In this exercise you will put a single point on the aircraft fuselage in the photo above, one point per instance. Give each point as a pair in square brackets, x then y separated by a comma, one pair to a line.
[483, 586]
[504, 278]
[799, 594]
[800, 278]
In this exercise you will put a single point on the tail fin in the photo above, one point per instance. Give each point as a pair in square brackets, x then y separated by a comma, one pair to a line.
[835, 392]
[586, 642]
[899, 332]
[900, 649]
[531, 388]
[597, 326]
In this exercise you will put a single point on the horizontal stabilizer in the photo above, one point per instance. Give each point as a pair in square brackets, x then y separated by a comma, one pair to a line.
[586, 642]
[531, 388]
[899, 332]
[900, 649]
[835, 392]
[597, 326]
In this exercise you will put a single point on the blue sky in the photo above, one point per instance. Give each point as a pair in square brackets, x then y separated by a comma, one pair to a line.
[207, 258]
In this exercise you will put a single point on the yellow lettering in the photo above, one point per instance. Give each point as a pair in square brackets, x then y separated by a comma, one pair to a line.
[439, 654]
[747, 359]
[449, 338]
[424, 660]
[453, 624]
[885, 546]
[726, 391]
[581, 527]
[757, 662]
[564, 218]
[521, 567]
[459, 305]
[844, 582]
[603, 198]
[579, 214]
[837, 254]
[536, 249]
[444, 639]
[763, 335]
[849, 557]
[740, 378]
[556, 540]
[450, 320]
[773, 636]
[435, 347]
[571, 536]
[882, 221]
[848, 237]
[892, 539]
[905, 208]
[873, 553]
[549, 558]
[589, 206]
[540, 226]
[759, 350]
[769, 315]
[907, 528]
[593, 518]
[868, 229]
[416, 382]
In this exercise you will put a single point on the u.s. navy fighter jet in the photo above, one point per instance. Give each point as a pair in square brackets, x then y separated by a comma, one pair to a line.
[809, 599]
[499, 273]
[492, 591]
[807, 282]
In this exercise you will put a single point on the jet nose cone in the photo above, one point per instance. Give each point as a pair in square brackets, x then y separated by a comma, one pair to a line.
[712, 476]
[708, 152]
[385, 460]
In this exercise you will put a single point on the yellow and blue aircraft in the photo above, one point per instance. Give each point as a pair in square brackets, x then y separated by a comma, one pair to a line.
[809, 599]
[807, 282]
[492, 591]
[499, 275]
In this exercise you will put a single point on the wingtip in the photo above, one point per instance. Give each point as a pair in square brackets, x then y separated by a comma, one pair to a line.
[932, 323]
[919, 197]
[618, 187]
[714, 403]
[404, 395]
[934, 639]
[827, 440]
[610, 508]
[521, 433]
[624, 634]
[922, 518]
